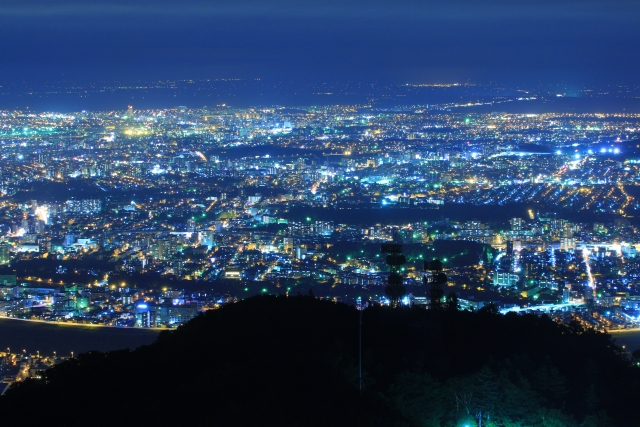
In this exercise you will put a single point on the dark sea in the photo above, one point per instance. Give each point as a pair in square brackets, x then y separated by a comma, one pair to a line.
[629, 338]
[63, 338]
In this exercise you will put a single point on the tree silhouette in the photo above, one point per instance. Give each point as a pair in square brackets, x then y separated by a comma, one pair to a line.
[485, 395]
[452, 301]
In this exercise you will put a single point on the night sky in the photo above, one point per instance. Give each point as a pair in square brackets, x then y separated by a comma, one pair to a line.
[317, 40]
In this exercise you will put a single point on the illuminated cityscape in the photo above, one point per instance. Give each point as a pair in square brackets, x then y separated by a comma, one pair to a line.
[143, 218]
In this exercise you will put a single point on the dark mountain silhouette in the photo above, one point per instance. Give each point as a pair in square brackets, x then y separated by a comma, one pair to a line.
[277, 361]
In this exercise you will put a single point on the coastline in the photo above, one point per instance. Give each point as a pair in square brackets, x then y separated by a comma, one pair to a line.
[63, 338]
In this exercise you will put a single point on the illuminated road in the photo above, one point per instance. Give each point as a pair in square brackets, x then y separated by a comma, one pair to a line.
[544, 307]
[585, 255]
[86, 325]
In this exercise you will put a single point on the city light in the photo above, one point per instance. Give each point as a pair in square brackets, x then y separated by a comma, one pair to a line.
[155, 192]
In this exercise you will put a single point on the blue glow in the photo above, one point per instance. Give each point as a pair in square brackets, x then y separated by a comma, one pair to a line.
[143, 306]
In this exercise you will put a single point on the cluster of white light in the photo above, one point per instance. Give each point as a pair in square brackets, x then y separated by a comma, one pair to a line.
[42, 213]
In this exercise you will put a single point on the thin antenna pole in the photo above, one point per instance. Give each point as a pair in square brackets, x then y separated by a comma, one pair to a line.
[360, 348]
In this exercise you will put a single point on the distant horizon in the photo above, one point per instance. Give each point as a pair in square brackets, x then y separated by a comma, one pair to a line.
[114, 95]
[496, 81]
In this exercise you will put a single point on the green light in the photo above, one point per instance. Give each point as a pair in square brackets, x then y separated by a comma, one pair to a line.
[246, 289]
[308, 219]
[264, 289]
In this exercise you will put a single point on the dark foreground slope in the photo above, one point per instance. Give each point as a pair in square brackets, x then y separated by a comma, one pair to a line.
[276, 361]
